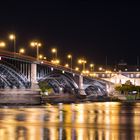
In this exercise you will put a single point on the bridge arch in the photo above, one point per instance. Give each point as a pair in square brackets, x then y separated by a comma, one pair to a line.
[94, 87]
[60, 81]
[9, 78]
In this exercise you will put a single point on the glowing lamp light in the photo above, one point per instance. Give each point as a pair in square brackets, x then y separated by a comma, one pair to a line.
[2, 44]
[44, 58]
[69, 56]
[91, 65]
[55, 61]
[54, 50]
[100, 68]
[40, 56]
[67, 65]
[12, 36]
[76, 69]
[22, 51]
[63, 71]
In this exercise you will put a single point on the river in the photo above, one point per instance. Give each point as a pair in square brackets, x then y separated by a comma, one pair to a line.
[85, 121]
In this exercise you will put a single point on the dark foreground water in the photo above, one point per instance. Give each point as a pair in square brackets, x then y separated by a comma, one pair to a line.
[87, 121]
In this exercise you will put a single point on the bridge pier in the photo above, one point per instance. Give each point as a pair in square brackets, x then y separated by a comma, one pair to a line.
[34, 76]
[81, 85]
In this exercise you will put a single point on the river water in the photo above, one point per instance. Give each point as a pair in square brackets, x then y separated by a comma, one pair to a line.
[85, 121]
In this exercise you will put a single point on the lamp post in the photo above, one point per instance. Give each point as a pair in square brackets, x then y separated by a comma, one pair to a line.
[37, 45]
[13, 38]
[91, 67]
[54, 51]
[69, 56]
[83, 62]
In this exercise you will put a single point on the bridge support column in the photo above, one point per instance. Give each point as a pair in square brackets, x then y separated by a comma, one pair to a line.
[34, 76]
[81, 88]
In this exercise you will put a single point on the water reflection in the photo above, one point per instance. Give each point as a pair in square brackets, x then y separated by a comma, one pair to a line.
[90, 121]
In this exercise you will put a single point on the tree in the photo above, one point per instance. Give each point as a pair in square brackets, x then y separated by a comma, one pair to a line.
[44, 86]
[128, 82]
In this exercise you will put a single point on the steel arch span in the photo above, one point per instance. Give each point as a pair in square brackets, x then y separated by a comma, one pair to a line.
[95, 87]
[60, 82]
[9, 78]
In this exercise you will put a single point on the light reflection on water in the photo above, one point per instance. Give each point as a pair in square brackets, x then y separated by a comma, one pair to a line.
[89, 121]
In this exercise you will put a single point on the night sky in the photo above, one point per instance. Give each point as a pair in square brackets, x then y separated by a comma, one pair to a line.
[91, 29]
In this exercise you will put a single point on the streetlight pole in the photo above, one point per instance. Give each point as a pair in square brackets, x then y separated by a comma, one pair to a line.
[70, 57]
[37, 45]
[91, 67]
[54, 51]
[83, 62]
[37, 51]
[83, 66]
[13, 37]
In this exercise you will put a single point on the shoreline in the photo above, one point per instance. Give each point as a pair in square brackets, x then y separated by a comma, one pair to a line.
[68, 100]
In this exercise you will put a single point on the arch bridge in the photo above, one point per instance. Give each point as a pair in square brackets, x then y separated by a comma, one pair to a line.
[20, 71]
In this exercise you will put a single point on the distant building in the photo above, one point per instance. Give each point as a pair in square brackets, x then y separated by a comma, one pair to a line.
[120, 73]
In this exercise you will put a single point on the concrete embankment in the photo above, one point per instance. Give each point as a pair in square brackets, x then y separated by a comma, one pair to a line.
[20, 96]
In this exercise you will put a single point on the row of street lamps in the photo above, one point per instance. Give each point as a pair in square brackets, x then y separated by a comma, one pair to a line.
[55, 60]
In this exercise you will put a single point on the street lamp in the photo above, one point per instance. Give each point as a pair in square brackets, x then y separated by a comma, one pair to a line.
[91, 67]
[56, 61]
[45, 58]
[37, 45]
[54, 51]
[76, 69]
[67, 65]
[100, 68]
[2, 44]
[83, 62]
[13, 38]
[21, 51]
[69, 56]
[40, 56]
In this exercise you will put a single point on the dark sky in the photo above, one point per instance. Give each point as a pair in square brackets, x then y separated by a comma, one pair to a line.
[91, 29]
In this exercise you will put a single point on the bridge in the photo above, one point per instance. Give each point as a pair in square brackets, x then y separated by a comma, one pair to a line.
[24, 72]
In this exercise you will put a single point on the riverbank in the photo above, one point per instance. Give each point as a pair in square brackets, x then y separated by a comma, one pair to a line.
[20, 97]
[54, 99]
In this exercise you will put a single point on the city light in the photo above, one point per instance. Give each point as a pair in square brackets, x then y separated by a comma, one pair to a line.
[37, 45]
[2, 44]
[108, 71]
[91, 67]
[56, 61]
[54, 51]
[67, 65]
[12, 37]
[100, 68]
[45, 58]
[21, 50]
[34, 44]
[83, 62]
[76, 69]
[69, 56]
[86, 72]
[40, 56]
